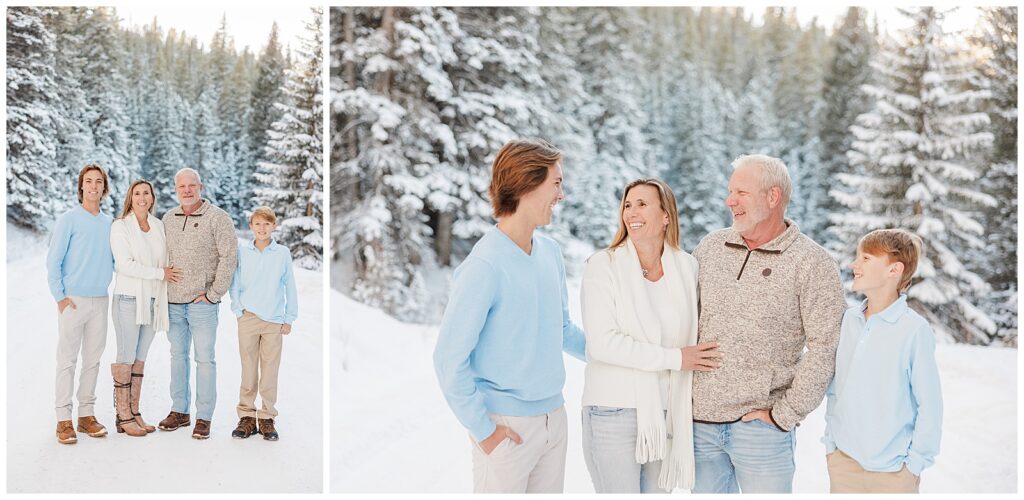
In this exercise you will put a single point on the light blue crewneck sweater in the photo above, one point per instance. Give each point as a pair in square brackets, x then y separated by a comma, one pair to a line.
[79, 261]
[507, 322]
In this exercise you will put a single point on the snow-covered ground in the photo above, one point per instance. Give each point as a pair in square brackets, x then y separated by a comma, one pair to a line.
[162, 462]
[393, 432]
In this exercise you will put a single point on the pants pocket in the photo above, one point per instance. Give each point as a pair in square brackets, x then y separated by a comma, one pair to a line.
[605, 411]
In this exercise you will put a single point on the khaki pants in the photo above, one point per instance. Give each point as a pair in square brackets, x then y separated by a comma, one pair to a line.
[535, 466]
[847, 476]
[259, 344]
[80, 330]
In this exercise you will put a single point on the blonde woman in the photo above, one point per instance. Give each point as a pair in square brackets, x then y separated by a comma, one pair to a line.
[139, 308]
[639, 300]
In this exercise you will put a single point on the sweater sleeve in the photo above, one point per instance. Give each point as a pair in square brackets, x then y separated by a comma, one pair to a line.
[235, 290]
[821, 311]
[60, 240]
[830, 404]
[927, 392]
[291, 294]
[227, 256]
[574, 342]
[605, 340]
[124, 262]
[473, 293]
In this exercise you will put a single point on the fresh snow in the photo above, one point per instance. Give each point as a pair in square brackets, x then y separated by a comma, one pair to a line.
[394, 433]
[162, 462]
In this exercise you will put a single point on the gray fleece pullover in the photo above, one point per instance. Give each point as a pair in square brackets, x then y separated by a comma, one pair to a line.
[764, 306]
[204, 247]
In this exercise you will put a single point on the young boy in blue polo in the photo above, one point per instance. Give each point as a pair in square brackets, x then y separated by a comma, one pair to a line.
[264, 299]
[883, 420]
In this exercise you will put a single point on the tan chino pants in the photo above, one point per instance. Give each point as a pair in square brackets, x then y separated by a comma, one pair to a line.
[847, 476]
[259, 345]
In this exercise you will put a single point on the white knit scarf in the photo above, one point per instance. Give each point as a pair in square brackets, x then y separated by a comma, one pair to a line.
[140, 252]
[672, 443]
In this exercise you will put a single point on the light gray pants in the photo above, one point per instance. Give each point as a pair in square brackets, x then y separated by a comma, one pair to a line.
[535, 466]
[133, 340]
[81, 330]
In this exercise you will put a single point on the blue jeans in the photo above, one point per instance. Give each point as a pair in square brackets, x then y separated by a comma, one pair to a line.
[133, 340]
[752, 457]
[609, 448]
[193, 324]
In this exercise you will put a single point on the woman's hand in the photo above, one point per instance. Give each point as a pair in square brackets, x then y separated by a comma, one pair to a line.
[172, 275]
[701, 357]
[500, 433]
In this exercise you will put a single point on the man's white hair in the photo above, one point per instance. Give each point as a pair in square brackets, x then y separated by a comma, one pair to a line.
[773, 173]
[188, 170]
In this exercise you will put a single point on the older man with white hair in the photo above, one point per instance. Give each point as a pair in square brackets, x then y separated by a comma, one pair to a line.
[767, 292]
[201, 242]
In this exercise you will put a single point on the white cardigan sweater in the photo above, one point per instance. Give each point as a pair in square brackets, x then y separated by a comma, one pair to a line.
[612, 309]
[135, 264]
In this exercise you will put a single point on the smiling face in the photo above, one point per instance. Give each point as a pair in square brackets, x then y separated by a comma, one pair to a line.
[262, 228]
[539, 204]
[142, 198]
[188, 189]
[747, 202]
[643, 215]
[93, 186]
[874, 272]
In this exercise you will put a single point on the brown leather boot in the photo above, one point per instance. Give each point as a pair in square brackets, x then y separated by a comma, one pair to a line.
[267, 429]
[246, 427]
[66, 432]
[91, 426]
[137, 370]
[202, 429]
[122, 373]
[174, 420]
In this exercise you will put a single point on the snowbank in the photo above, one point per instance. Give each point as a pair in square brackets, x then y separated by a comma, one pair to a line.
[393, 432]
[162, 462]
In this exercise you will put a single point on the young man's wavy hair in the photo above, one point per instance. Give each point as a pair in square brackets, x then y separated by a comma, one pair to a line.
[519, 167]
[81, 179]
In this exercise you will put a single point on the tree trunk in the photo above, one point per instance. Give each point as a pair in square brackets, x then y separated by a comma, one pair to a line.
[443, 238]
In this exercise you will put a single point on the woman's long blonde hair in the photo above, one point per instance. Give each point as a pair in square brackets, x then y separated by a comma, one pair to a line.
[128, 198]
[668, 204]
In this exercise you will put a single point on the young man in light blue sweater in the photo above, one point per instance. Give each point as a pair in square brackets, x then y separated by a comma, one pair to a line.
[499, 351]
[883, 419]
[265, 301]
[79, 266]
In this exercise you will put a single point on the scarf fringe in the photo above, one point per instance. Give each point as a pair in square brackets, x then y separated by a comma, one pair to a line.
[675, 474]
[651, 444]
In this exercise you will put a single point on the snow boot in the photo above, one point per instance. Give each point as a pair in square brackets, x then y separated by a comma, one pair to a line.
[122, 373]
[137, 370]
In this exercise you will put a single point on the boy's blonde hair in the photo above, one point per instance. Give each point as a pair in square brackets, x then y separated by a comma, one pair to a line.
[899, 246]
[264, 213]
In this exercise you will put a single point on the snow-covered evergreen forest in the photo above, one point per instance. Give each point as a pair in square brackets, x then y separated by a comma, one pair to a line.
[145, 102]
[913, 128]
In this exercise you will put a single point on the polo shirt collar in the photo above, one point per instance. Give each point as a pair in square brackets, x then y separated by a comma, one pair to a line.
[892, 313]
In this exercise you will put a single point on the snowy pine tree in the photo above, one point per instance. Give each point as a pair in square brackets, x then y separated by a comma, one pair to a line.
[997, 38]
[292, 178]
[915, 149]
[32, 96]
[853, 46]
